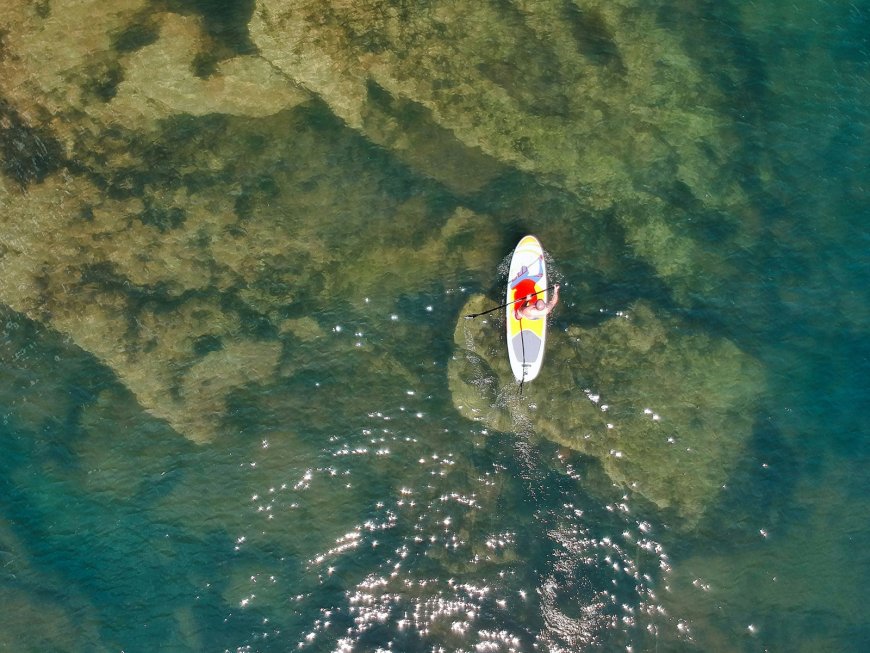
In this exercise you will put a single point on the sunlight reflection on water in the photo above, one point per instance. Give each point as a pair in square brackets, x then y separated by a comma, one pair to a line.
[443, 556]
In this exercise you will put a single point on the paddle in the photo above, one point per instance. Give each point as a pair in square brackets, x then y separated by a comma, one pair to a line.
[521, 299]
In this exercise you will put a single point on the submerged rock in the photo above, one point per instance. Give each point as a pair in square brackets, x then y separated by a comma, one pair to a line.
[184, 287]
[598, 98]
[169, 239]
[171, 234]
[86, 69]
[666, 411]
[159, 80]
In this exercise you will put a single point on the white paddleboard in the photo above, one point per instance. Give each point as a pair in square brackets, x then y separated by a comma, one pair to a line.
[526, 338]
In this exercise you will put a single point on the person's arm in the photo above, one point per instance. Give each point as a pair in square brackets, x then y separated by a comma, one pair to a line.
[555, 299]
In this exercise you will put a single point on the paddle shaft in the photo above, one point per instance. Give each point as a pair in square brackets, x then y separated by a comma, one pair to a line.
[521, 299]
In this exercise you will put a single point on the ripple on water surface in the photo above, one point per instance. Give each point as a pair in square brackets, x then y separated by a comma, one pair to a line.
[404, 534]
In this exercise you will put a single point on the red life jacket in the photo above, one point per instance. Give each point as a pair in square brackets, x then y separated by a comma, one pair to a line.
[525, 288]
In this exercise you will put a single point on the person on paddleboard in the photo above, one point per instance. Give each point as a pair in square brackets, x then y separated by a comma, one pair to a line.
[531, 308]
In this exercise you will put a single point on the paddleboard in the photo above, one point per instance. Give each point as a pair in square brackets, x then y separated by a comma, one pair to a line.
[526, 338]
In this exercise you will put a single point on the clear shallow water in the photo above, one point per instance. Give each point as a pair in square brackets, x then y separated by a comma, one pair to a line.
[344, 503]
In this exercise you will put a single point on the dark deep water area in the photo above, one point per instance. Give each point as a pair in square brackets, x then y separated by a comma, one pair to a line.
[242, 410]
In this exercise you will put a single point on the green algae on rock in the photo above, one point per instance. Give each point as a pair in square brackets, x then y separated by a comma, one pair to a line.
[168, 235]
[665, 411]
[158, 79]
[180, 276]
[82, 67]
[601, 100]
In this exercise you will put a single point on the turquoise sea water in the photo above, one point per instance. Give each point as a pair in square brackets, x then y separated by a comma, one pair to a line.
[343, 502]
